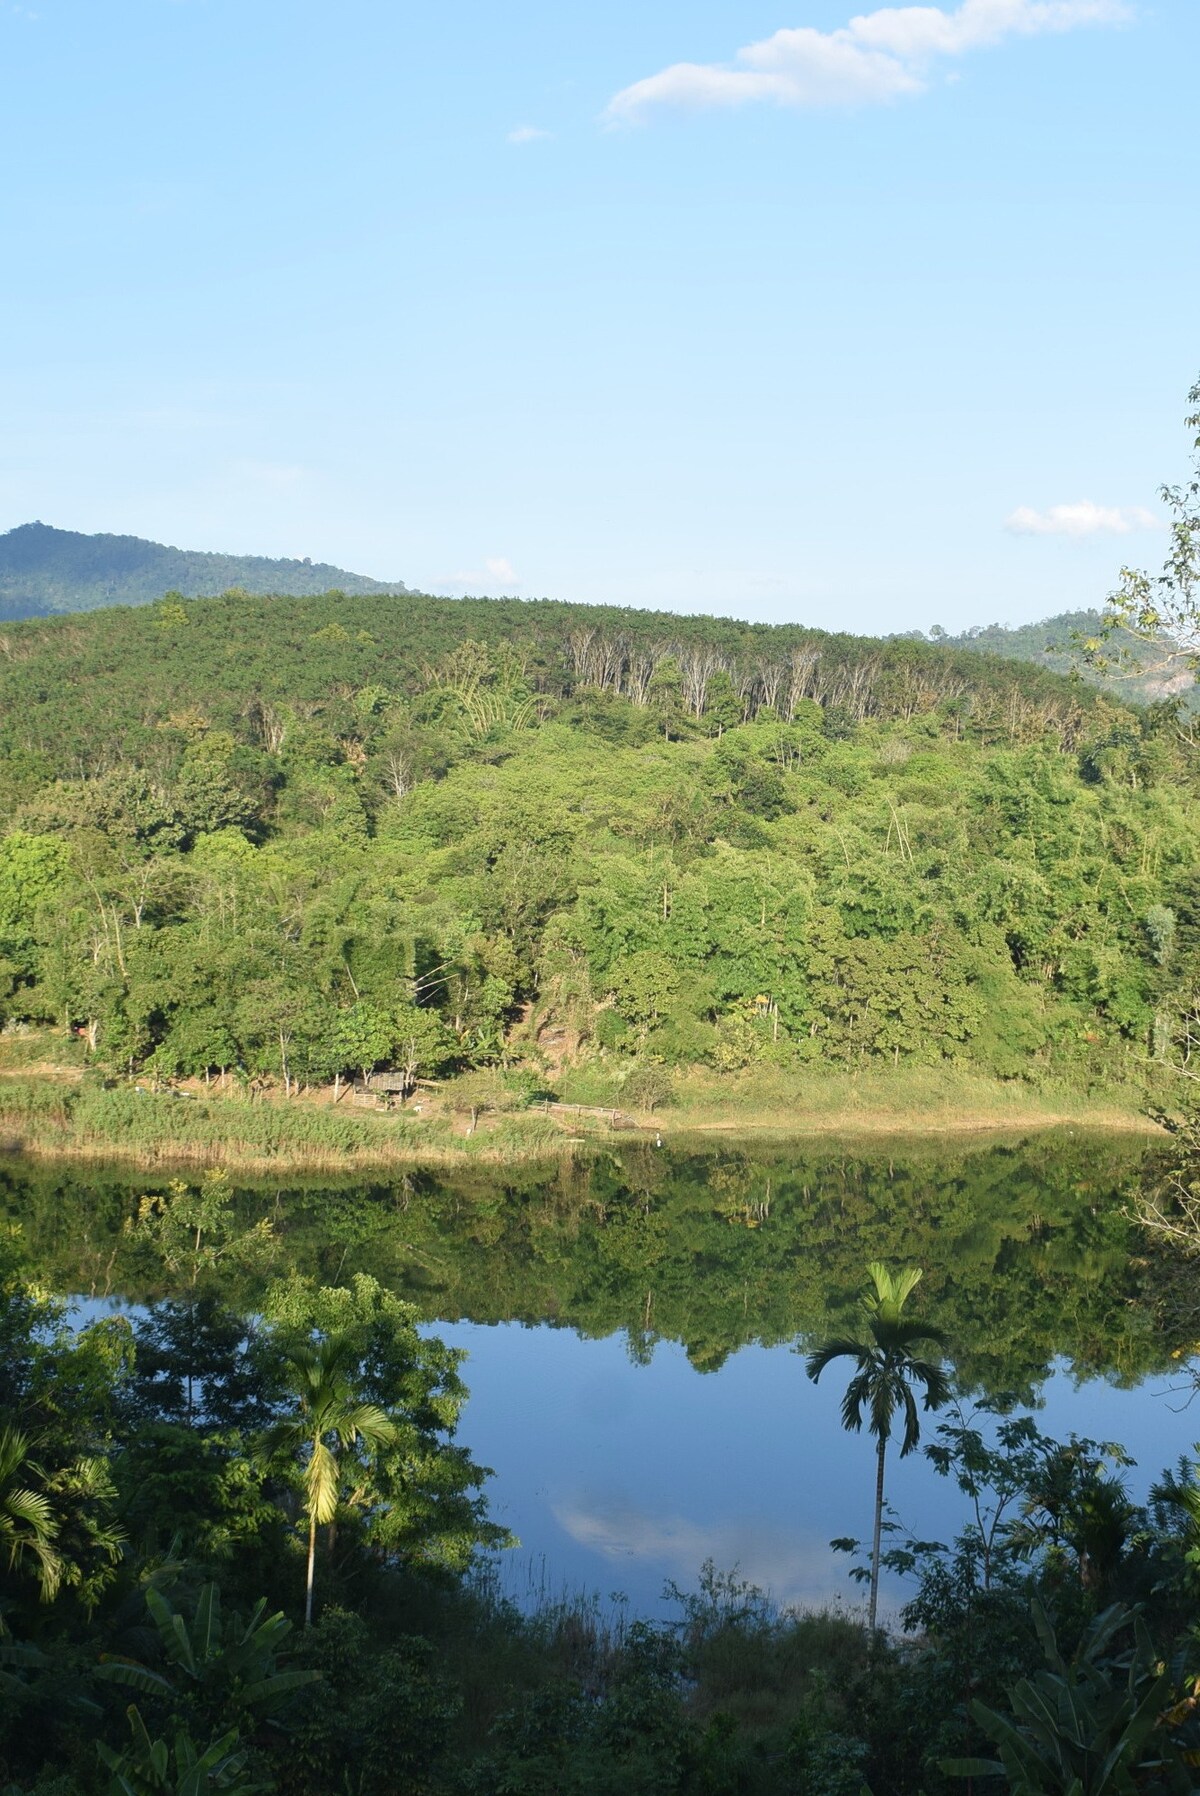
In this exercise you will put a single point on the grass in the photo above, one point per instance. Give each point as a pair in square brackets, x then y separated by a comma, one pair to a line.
[43, 1117]
[50, 1107]
[887, 1101]
[779, 1673]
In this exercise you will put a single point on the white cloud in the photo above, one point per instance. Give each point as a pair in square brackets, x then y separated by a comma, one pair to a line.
[793, 1569]
[1081, 519]
[496, 575]
[878, 56]
[528, 134]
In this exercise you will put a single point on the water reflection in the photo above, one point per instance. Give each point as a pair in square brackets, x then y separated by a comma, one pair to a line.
[631, 1324]
[748, 1466]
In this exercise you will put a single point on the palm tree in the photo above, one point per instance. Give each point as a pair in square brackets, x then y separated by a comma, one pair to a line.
[28, 1525]
[887, 1367]
[330, 1417]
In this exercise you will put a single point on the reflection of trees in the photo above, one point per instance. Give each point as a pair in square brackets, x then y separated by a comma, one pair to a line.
[1027, 1249]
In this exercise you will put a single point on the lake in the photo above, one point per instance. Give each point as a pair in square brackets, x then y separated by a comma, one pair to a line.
[632, 1324]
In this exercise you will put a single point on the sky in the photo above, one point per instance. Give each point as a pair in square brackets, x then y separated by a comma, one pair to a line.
[754, 307]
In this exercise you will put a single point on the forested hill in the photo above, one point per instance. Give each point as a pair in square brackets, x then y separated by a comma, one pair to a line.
[79, 690]
[1057, 642]
[304, 836]
[43, 571]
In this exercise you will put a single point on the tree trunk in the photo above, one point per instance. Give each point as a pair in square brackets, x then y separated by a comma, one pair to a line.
[882, 1450]
[312, 1559]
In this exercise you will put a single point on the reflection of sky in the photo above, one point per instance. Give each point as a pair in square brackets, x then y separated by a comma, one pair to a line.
[618, 1476]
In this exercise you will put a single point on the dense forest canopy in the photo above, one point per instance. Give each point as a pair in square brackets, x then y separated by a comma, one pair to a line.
[306, 836]
[44, 570]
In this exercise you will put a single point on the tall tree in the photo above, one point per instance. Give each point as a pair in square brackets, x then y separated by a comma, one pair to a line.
[887, 1368]
[329, 1418]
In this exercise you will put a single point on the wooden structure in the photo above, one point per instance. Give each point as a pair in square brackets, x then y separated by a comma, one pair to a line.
[616, 1119]
[392, 1082]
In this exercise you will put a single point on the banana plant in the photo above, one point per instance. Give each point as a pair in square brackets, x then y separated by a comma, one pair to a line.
[155, 1768]
[1091, 1726]
[224, 1668]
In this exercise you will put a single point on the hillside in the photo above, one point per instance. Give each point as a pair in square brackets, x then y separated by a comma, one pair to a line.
[300, 837]
[43, 571]
[1055, 642]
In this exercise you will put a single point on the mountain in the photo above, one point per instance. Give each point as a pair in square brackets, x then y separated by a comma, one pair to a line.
[43, 571]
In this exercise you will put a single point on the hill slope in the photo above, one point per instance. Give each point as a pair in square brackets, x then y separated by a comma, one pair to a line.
[305, 836]
[72, 688]
[44, 570]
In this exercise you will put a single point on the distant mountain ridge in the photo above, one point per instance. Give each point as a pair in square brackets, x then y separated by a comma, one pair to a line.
[44, 571]
[1137, 670]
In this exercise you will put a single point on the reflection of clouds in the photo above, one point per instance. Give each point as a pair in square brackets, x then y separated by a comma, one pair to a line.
[794, 1569]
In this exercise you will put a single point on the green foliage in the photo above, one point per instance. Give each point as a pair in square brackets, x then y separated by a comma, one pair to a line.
[378, 1718]
[1087, 1725]
[216, 1670]
[647, 1087]
[178, 1767]
[431, 833]
[375, 1408]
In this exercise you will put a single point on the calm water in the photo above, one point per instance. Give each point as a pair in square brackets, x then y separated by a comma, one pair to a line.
[632, 1328]
[617, 1476]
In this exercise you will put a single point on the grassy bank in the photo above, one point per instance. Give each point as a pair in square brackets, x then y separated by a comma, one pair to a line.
[48, 1111]
[40, 1116]
[905, 1101]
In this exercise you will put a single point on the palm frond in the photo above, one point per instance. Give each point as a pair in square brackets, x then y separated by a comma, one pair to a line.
[367, 1422]
[885, 1392]
[839, 1347]
[321, 1484]
[857, 1393]
[912, 1421]
[936, 1382]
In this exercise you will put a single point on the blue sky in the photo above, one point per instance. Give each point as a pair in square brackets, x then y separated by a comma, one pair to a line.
[724, 305]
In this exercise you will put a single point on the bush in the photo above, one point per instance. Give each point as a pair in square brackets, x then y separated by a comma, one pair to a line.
[647, 1087]
[378, 1719]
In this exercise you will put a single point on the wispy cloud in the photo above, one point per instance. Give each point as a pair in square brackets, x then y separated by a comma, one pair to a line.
[794, 1568]
[1081, 519]
[878, 56]
[528, 134]
[496, 575]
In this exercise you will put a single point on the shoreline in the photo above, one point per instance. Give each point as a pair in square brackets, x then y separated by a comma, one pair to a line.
[53, 1111]
[385, 1147]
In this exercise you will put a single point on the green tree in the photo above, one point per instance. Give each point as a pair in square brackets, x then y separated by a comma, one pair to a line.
[413, 1499]
[329, 1419]
[1164, 609]
[887, 1366]
[363, 1037]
